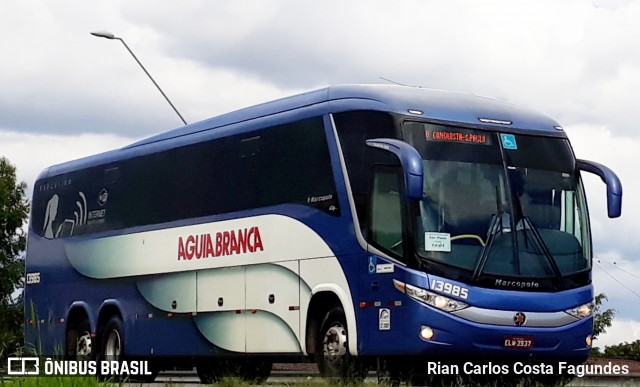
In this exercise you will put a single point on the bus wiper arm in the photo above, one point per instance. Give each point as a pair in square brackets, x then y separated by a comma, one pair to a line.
[495, 228]
[545, 250]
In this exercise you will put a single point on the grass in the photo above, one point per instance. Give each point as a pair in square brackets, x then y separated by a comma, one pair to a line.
[54, 381]
[91, 381]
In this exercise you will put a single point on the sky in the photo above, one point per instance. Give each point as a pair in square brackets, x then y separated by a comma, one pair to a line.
[66, 94]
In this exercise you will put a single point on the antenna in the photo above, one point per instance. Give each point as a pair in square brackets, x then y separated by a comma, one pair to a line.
[390, 81]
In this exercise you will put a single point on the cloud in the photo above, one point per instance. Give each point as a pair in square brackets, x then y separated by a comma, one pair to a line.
[620, 331]
[620, 153]
[32, 153]
[66, 94]
[568, 59]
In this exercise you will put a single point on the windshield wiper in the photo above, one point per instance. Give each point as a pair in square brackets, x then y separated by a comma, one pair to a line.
[517, 218]
[528, 225]
[543, 246]
[495, 227]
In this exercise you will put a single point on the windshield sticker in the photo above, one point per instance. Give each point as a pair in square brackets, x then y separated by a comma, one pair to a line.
[458, 136]
[508, 141]
[437, 241]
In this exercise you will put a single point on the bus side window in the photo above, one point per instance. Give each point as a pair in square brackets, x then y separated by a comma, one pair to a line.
[386, 209]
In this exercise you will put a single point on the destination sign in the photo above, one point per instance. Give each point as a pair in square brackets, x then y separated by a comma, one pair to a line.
[460, 136]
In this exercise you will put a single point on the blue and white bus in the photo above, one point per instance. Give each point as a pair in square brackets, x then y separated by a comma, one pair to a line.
[349, 223]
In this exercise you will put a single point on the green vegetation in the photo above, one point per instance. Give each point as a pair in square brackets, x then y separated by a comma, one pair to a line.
[602, 319]
[624, 350]
[14, 211]
[55, 381]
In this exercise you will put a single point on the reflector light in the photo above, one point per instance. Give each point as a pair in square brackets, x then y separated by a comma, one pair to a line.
[495, 121]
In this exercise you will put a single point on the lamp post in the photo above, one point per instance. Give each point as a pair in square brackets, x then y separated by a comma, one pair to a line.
[109, 35]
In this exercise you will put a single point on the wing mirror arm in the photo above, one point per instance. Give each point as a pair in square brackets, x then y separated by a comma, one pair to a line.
[614, 187]
[410, 160]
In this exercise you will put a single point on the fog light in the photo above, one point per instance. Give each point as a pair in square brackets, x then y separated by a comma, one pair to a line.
[589, 341]
[426, 333]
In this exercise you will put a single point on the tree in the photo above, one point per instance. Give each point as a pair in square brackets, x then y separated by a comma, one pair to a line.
[601, 319]
[624, 350]
[14, 210]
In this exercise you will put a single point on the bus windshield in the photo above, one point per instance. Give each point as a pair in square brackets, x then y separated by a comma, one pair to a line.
[502, 209]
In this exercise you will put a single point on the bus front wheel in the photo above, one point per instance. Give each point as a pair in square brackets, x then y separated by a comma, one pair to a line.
[332, 348]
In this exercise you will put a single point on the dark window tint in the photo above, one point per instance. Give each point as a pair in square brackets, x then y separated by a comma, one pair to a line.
[386, 210]
[354, 128]
[276, 165]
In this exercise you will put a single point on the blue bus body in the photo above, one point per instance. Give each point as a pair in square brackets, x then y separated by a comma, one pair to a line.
[200, 248]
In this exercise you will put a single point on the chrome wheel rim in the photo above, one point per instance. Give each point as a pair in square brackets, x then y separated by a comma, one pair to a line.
[113, 347]
[84, 346]
[335, 345]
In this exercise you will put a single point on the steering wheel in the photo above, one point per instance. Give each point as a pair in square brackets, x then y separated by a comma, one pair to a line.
[470, 236]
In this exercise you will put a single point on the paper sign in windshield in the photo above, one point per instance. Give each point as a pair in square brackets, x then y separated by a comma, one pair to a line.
[437, 241]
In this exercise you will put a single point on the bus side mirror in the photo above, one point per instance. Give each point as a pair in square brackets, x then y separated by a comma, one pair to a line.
[614, 187]
[410, 160]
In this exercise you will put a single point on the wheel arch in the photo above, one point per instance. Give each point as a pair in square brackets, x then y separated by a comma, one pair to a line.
[108, 309]
[79, 311]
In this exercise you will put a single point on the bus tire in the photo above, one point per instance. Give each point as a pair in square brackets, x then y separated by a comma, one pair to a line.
[332, 349]
[112, 348]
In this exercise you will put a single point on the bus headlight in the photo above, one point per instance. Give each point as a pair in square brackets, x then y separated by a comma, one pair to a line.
[582, 311]
[436, 300]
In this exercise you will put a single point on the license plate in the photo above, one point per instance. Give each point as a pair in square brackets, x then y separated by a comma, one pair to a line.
[518, 342]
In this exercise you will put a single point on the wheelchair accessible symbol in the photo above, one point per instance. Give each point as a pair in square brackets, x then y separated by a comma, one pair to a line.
[372, 264]
[508, 141]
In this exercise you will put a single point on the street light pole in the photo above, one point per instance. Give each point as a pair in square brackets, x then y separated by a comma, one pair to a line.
[109, 35]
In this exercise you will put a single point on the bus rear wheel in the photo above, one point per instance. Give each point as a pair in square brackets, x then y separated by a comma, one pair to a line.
[79, 342]
[332, 349]
[112, 347]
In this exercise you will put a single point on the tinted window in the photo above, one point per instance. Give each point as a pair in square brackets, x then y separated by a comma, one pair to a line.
[354, 128]
[276, 165]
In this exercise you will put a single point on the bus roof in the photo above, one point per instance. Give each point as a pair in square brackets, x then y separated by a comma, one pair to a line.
[439, 105]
